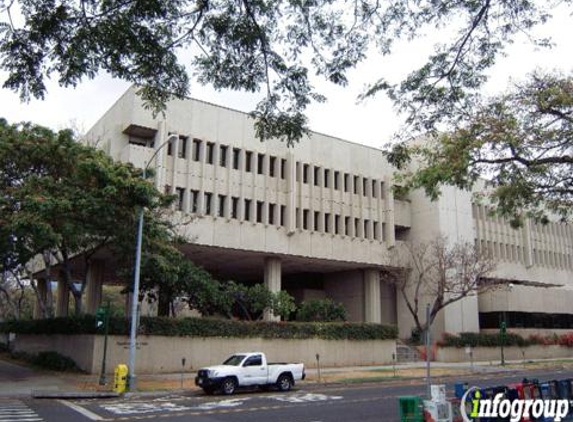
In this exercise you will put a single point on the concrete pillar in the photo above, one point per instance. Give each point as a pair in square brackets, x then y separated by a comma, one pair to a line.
[372, 297]
[273, 274]
[63, 298]
[94, 286]
[43, 286]
[389, 220]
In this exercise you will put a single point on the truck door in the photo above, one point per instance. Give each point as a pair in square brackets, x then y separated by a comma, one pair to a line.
[254, 372]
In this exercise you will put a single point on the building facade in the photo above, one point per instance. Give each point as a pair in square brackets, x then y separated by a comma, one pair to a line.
[319, 219]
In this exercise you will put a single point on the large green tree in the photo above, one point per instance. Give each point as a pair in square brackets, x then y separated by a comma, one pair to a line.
[275, 46]
[519, 144]
[268, 45]
[62, 200]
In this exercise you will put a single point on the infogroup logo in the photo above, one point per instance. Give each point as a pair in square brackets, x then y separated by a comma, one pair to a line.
[515, 410]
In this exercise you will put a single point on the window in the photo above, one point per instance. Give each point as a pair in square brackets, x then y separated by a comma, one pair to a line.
[356, 182]
[170, 148]
[374, 184]
[336, 181]
[305, 173]
[180, 192]
[271, 216]
[247, 210]
[327, 223]
[236, 155]
[254, 361]
[305, 215]
[336, 224]
[316, 220]
[248, 161]
[222, 201]
[223, 155]
[376, 234]
[283, 216]
[182, 147]
[283, 168]
[347, 226]
[356, 226]
[316, 176]
[260, 211]
[298, 218]
[326, 177]
[365, 186]
[272, 164]
[197, 149]
[260, 163]
[167, 189]
[297, 174]
[194, 201]
[208, 196]
[210, 152]
[366, 232]
[346, 182]
[234, 207]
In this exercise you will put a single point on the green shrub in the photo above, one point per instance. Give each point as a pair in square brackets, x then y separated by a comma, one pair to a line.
[485, 340]
[324, 310]
[208, 327]
[54, 361]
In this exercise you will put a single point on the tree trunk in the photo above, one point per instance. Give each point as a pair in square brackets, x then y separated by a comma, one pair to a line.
[163, 304]
[77, 304]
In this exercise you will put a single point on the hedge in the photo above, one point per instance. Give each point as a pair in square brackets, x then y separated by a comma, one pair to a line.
[207, 327]
[511, 339]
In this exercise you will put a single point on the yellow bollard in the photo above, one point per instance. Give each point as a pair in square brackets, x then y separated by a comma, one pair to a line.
[120, 378]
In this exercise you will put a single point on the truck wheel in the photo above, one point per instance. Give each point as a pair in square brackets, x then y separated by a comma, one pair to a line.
[284, 383]
[229, 386]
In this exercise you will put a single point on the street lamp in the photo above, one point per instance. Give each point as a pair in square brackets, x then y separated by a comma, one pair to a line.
[135, 297]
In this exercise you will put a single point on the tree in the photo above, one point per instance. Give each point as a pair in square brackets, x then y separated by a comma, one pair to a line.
[250, 302]
[264, 45]
[322, 310]
[520, 144]
[62, 201]
[439, 274]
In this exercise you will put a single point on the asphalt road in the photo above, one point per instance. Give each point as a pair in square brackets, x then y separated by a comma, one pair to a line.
[337, 403]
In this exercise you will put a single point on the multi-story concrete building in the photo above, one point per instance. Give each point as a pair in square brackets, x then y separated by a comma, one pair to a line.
[318, 219]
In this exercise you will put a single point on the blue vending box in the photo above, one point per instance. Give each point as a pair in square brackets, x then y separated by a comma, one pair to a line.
[546, 392]
[460, 389]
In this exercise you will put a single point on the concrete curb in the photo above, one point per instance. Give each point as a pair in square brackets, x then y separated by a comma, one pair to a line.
[39, 394]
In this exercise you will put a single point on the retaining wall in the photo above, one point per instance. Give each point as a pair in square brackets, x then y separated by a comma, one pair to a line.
[159, 354]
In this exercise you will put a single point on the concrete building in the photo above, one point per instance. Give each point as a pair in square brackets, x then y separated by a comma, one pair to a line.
[319, 219]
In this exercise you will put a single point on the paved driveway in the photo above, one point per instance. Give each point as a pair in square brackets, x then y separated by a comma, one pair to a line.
[16, 380]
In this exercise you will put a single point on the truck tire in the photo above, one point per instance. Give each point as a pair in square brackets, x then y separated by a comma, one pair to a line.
[229, 386]
[284, 383]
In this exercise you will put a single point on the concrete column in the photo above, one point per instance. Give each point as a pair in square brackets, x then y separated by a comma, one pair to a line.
[63, 298]
[43, 286]
[389, 221]
[94, 286]
[372, 297]
[273, 274]
[527, 244]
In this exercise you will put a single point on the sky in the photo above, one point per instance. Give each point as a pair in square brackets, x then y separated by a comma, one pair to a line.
[372, 122]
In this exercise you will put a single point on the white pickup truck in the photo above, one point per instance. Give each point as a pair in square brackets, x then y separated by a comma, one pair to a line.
[248, 370]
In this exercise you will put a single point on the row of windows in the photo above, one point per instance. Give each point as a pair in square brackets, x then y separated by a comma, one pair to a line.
[231, 157]
[333, 223]
[310, 174]
[516, 253]
[340, 181]
[273, 214]
[525, 320]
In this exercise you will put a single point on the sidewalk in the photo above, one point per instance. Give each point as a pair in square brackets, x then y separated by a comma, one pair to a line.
[16, 379]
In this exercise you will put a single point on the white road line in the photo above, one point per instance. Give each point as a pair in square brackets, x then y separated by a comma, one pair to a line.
[21, 420]
[88, 414]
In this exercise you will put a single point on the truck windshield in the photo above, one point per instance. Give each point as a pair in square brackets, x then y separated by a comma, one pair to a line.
[234, 360]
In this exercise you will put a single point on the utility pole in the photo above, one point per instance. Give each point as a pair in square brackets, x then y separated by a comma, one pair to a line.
[428, 347]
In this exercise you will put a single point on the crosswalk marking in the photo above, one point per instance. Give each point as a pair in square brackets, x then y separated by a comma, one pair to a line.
[17, 411]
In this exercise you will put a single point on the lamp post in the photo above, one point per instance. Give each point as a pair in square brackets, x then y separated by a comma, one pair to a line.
[135, 297]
